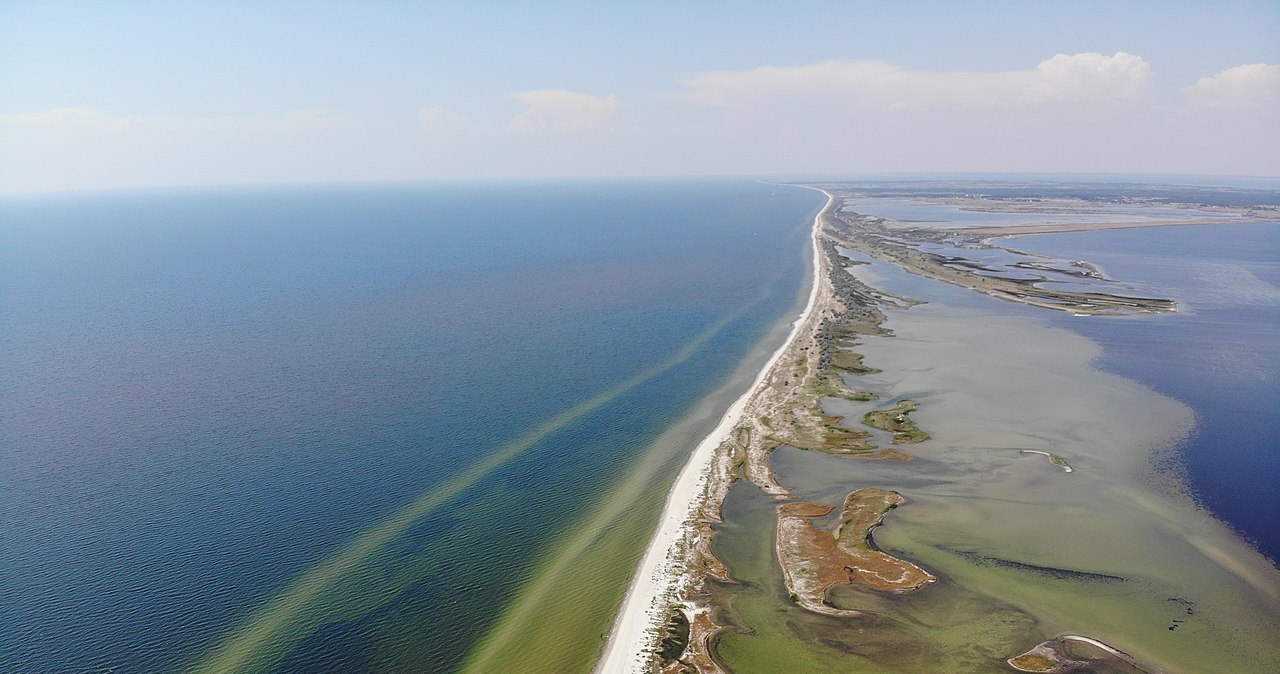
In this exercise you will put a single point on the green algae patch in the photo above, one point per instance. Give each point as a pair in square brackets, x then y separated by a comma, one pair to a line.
[832, 437]
[897, 420]
[822, 432]
[1033, 662]
[833, 386]
[675, 638]
[851, 362]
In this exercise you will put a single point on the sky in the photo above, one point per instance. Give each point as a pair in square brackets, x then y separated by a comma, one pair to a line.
[135, 94]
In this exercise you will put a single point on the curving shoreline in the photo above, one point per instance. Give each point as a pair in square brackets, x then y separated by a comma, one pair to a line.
[781, 407]
[662, 577]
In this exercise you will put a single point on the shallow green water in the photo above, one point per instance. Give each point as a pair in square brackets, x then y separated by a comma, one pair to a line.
[1023, 550]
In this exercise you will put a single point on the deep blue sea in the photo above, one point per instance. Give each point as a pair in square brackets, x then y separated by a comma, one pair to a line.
[203, 393]
[1219, 354]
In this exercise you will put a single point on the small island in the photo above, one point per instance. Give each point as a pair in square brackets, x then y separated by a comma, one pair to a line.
[1053, 458]
[896, 420]
[814, 559]
[1073, 652]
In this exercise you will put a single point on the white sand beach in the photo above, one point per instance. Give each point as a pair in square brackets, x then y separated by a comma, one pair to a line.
[657, 579]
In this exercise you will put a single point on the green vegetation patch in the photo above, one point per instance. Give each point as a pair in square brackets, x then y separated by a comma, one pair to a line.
[675, 637]
[850, 361]
[832, 385]
[896, 420]
[1033, 662]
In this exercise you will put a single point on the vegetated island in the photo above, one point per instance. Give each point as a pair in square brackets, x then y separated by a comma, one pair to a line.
[813, 560]
[897, 421]
[1053, 458]
[872, 235]
[671, 590]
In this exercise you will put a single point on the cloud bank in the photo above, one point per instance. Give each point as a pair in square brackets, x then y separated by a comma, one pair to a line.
[1084, 112]
[558, 111]
[1255, 86]
[1064, 78]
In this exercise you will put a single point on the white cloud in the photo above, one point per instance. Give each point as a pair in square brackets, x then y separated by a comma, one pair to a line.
[1092, 77]
[1255, 86]
[551, 110]
[1065, 78]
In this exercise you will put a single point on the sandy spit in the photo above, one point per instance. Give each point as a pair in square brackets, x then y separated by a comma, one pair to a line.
[656, 581]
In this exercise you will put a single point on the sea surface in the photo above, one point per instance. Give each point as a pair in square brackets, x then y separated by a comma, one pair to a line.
[305, 429]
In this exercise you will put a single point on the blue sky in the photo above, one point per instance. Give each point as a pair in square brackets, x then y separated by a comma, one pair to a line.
[134, 94]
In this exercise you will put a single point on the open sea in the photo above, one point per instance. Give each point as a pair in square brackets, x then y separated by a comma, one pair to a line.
[313, 429]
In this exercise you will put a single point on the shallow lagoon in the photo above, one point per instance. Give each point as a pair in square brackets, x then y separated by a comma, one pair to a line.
[914, 212]
[1116, 550]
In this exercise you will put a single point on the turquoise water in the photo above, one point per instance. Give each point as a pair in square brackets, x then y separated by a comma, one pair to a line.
[207, 392]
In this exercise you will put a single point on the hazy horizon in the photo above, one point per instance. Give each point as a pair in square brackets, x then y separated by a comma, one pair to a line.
[134, 95]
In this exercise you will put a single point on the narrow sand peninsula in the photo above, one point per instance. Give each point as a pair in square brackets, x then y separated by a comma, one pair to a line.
[661, 579]
[782, 407]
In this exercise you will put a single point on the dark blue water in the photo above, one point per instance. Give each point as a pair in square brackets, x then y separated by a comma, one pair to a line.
[1220, 354]
[206, 392]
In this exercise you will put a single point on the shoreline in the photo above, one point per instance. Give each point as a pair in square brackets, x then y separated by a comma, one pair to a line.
[656, 584]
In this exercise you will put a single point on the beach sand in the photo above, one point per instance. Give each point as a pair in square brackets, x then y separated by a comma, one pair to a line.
[661, 576]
